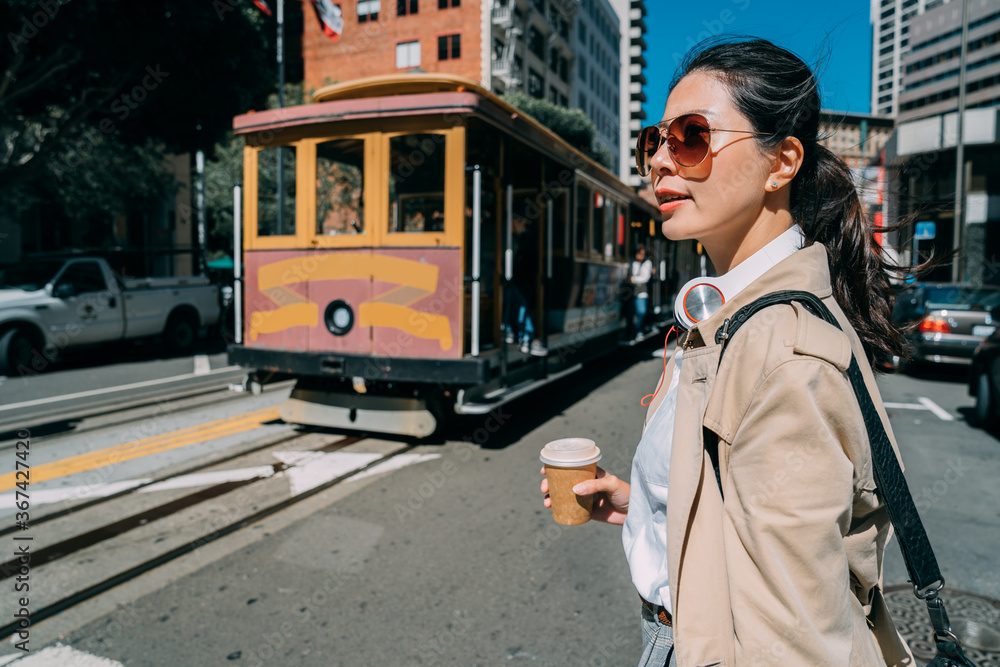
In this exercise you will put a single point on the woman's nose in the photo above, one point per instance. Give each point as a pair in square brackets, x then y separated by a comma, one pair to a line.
[662, 162]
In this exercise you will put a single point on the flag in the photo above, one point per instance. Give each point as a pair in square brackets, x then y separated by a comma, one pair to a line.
[263, 6]
[329, 17]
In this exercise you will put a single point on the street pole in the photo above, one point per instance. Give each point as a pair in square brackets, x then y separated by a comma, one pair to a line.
[281, 105]
[238, 263]
[199, 202]
[958, 266]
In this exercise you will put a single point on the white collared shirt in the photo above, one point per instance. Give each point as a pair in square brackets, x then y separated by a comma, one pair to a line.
[644, 535]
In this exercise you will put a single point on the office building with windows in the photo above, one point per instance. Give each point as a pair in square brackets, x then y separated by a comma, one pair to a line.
[579, 54]
[930, 67]
[632, 17]
[597, 85]
[923, 148]
[891, 40]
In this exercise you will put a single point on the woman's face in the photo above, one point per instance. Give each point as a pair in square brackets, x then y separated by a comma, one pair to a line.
[722, 196]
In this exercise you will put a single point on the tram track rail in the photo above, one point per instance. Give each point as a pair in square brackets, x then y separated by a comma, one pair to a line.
[88, 421]
[74, 545]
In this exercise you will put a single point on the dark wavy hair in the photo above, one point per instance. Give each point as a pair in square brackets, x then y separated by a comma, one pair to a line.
[778, 94]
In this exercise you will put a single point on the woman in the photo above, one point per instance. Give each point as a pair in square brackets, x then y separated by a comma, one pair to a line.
[640, 273]
[777, 558]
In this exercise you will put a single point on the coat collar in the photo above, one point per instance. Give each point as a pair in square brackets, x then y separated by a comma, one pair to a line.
[807, 269]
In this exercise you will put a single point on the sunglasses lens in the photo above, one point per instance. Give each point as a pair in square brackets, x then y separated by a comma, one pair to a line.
[645, 147]
[688, 139]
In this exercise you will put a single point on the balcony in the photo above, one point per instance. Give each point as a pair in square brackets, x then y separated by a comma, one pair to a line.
[503, 15]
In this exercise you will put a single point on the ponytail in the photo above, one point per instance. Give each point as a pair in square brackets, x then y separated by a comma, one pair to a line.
[826, 205]
[778, 95]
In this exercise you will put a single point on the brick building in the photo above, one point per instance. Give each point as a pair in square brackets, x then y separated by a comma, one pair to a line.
[389, 36]
[579, 54]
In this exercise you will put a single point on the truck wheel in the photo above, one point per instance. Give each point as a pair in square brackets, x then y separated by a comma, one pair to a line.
[16, 351]
[181, 332]
[984, 400]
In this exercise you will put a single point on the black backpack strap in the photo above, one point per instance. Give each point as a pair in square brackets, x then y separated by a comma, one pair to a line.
[891, 485]
[920, 561]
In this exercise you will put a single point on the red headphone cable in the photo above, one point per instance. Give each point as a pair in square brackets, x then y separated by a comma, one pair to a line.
[642, 402]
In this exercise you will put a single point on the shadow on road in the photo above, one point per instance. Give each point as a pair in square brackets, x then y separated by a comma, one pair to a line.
[939, 372]
[518, 418]
[144, 350]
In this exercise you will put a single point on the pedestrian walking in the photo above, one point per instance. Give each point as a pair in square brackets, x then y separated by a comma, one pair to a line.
[770, 548]
[641, 270]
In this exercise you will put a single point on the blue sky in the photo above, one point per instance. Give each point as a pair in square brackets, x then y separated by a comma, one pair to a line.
[837, 35]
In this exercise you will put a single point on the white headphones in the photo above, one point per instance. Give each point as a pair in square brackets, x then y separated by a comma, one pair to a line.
[701, 297]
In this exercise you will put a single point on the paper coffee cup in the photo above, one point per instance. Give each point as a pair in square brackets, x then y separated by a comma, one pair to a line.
[568, 462]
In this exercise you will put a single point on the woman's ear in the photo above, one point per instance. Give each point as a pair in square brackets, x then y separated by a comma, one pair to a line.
[787, 163]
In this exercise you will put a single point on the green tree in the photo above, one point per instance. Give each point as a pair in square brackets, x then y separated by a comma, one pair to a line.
[570, 124]
[224, 169]
[94, 93]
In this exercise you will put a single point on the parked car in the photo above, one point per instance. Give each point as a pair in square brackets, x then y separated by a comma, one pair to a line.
[951, 319]
[984, 378]
[47, 306]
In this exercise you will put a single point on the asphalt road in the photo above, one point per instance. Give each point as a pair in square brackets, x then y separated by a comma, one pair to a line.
[454, 561]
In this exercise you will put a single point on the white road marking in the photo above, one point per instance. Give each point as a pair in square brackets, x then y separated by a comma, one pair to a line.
[59, 656]
[209, 478]
[311, 469]
[202, 365]
[106, 390]
[936, 409]
[48, 496]
[395, 463]
[306, 470]
[925, 404]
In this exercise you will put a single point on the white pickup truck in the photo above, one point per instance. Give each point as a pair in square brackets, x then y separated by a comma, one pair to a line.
[47, 306]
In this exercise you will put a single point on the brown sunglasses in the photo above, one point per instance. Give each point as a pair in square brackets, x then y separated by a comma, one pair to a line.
[688, 139]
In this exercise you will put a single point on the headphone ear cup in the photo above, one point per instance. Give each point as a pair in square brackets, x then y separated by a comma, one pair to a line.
[697, 300]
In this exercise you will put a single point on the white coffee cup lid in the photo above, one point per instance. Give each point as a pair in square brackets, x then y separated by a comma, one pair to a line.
[570, 452]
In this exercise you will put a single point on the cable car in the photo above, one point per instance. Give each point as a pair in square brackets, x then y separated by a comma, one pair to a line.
[434, 251]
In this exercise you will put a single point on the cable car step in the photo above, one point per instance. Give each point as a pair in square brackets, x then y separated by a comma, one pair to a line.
[507, 394]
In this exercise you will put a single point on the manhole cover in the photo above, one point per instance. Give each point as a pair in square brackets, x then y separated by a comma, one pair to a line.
[975, 620]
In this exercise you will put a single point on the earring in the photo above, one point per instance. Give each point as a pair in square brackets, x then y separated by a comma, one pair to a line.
[774, 184]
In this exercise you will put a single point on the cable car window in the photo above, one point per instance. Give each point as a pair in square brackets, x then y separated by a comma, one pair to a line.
[619, 231]
[609, 229]
[598, 203]
[416, 183]
[560, 231]
[340, 171]
[269, 222]
[582, 217]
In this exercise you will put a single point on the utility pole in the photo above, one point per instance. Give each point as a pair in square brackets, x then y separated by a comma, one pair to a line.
[281, 105]
[959, 266]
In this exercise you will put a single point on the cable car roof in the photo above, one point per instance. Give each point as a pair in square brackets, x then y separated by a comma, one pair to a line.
[413, 94]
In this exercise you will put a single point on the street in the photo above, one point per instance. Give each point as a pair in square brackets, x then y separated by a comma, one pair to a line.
[207, 532]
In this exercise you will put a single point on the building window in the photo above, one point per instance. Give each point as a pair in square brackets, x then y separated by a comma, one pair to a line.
[582, 68]
[408, 54]
[564, 69]
[449, 47]
[368, 10]
[536, 84]
[536, 42]
[404, 7]
[444, 4]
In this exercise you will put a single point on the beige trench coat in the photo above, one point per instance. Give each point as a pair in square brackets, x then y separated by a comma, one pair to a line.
[787, 569]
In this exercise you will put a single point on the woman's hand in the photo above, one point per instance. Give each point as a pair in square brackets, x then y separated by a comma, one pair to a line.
[610, 496]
